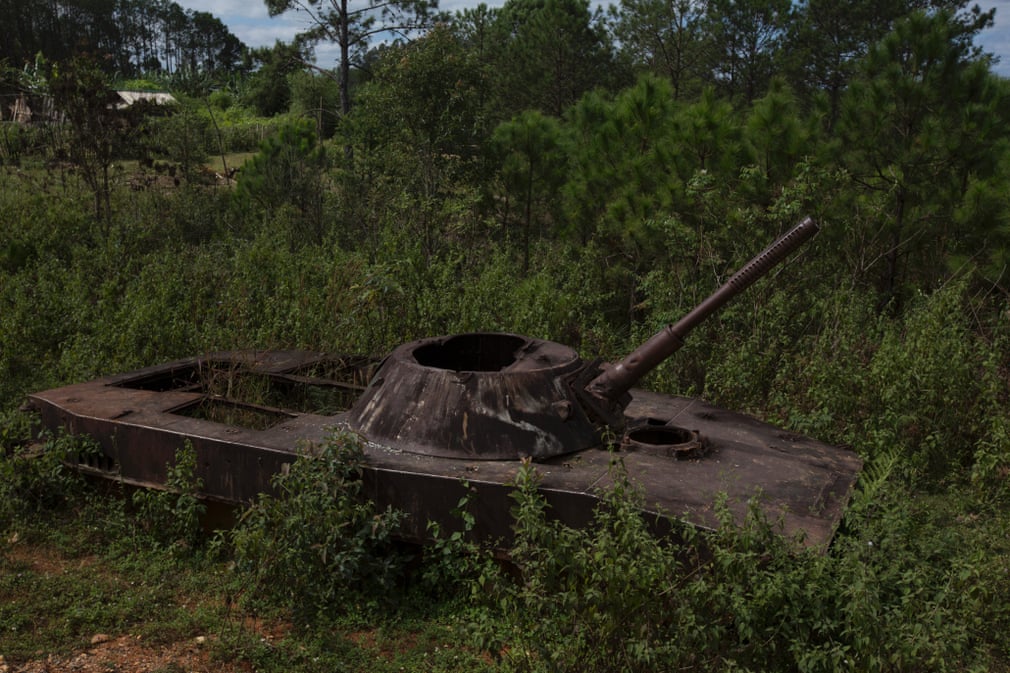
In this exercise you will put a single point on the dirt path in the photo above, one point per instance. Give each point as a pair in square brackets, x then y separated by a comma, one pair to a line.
[129, 654]
[112, 653]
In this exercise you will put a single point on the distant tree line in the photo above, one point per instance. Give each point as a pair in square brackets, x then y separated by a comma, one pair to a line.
[554, 122]
[133, 37]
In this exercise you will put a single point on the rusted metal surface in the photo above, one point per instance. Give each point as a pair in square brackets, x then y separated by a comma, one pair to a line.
[662, 439]
[481, 396]
[142, 418]
[467, 407]
[493, 396]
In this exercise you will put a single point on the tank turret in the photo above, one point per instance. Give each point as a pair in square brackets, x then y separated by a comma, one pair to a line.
[495, 396]
[481, 396]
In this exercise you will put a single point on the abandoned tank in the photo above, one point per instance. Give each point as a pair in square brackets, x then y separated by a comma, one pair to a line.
[443, 415]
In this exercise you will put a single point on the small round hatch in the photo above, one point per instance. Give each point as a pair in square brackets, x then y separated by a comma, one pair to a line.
[664, 440]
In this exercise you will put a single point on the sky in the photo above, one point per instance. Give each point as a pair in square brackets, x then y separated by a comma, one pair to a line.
[997, 39]
[248, 21]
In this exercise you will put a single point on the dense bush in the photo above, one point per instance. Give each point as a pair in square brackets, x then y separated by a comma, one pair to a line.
[287, 174]
[173, 516]
[18, 142]
[613, 598]
[34, 477]
[318, 545]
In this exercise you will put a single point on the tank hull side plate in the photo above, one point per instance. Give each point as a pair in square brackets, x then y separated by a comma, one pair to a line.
[800, 482]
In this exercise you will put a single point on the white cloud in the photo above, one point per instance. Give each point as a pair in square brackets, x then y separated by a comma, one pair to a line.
[453, 6]
[257, 35]
[249, 20]
[997, 39]
[228, 10]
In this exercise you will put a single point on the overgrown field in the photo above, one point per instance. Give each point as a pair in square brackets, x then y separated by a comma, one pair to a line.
[917, 578]
[422, 213]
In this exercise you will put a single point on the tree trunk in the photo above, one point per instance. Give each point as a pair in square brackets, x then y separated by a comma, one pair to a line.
[345, 59]
[345, 73]
[891, 282]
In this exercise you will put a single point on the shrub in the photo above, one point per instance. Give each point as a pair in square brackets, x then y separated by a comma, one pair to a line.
[318, 545]
[902, 589]
[245, 136]
[173, 516]
[221, 100]
[16, 141]
[288, 172]
[183, 138]
[36, 478]
[588, 600]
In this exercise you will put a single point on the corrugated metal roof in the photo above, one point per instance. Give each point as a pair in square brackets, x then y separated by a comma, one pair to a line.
[158, 97]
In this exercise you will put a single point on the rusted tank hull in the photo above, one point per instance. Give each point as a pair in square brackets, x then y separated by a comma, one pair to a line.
[140, 419]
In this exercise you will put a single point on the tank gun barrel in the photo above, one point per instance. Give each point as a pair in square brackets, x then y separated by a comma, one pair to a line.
[615, 381]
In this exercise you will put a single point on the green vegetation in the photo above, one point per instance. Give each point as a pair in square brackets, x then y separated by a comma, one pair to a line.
[136, 37]
[319, 545]
[914, 581]
[516, 169]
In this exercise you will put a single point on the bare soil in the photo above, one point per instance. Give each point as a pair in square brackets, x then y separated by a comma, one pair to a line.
[130, 654]
[119, 652]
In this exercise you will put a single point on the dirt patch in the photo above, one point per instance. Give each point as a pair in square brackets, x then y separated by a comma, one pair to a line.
[386, 648]
[45, 560]
[130, 654]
